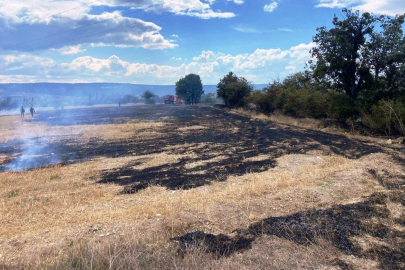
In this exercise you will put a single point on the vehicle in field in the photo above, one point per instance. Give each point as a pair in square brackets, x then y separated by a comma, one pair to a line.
[170, 99]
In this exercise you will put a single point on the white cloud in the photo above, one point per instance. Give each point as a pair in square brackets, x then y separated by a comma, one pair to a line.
[26, 65]
[335, 3]
[194, 8]
[252, 30]
[239, 2]
[126, 32]
[246, 29]
[271, 7]
[260, 66]
[284, 30]
[387, 7]
[35, 11]
[28, 20]
[67, 50]
[207, 14]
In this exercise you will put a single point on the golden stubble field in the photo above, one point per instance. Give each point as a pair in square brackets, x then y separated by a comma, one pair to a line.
[67, 216]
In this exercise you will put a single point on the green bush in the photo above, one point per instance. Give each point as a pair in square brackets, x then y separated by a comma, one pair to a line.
[317, 105]
[341, 107]
[387, 116]
[303, 103]
[262, 101]
[281, 100]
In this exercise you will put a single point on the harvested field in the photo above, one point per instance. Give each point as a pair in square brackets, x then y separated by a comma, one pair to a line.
[184, 186]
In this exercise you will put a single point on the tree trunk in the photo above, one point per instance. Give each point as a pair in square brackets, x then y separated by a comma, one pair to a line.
[377, 74]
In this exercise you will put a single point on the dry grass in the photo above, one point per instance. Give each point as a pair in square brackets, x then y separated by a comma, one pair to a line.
[13, 128]
[257, 158]
[52, 202]
[45, 210]
[191, 128]
[133, 253]
[308, 123]
[202, 163]
[314, 124]
[237, 190]
[124, 131]
[157, 160]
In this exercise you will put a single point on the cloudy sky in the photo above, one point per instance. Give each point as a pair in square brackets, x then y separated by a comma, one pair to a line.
[159, 41]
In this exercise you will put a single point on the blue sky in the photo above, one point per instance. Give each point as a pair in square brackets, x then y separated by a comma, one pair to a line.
[159, 41]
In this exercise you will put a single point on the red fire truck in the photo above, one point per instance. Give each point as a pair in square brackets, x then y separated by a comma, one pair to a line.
[170, 99]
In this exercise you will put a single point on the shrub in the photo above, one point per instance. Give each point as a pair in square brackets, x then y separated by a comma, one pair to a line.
[208, 99]
[341, 107]
[387, 116]
[262, 101]
[317, 105]
[281, 100]
[303, 103]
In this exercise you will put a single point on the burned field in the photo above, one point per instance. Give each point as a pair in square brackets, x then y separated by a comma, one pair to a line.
[201, 178]
[200, 139]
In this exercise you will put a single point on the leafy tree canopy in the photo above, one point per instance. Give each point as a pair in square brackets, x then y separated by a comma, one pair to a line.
[355, 55]
[147, 95]
[233, 90]
[190, 89]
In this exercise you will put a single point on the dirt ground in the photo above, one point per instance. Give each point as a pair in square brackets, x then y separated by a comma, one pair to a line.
[198, 177]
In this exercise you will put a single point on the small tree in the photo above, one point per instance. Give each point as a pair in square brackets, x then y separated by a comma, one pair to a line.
[190, 89]
[233, 90]
[149, 97]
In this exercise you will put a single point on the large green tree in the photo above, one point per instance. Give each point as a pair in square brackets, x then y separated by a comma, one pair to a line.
[190, 89]
[386, 56]
[234, 90]
[339, 52]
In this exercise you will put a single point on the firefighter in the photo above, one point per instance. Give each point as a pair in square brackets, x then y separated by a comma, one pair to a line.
[32, 111]
[22, 111]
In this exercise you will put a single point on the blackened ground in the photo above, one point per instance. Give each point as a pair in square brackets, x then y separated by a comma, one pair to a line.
[101, 115]
[338, 225]
[235, 138]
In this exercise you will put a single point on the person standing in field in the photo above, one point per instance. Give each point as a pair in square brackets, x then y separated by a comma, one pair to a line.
[32, 111]
[22, 110]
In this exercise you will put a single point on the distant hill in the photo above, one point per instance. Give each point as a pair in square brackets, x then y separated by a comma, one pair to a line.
[86, 89]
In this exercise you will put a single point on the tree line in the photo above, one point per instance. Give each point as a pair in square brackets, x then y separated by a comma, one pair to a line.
[356, 75]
